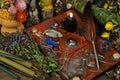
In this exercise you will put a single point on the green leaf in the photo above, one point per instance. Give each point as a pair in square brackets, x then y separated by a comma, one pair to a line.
[53, 65]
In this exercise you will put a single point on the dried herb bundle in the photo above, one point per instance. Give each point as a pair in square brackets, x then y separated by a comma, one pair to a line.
[24, 46]
[103, 16]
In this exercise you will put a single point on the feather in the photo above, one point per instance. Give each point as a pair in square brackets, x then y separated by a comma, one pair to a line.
[90, 25]
[90, 29]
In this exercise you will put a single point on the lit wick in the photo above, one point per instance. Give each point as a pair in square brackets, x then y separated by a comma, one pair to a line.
[70, 15]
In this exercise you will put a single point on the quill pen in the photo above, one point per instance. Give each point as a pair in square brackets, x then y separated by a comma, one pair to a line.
[90, 30]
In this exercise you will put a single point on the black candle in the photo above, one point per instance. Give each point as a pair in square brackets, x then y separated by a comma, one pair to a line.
[70, 23]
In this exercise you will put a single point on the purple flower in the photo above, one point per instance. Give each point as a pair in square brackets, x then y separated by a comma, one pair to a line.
[14, 43]
[118, 49]
[105, 45]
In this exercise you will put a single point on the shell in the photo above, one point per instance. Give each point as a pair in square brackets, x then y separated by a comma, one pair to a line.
[53, 33]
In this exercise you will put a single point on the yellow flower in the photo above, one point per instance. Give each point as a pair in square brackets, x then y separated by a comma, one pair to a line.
[4, 13]
[105, 35]
[109, 26]
[105, 6]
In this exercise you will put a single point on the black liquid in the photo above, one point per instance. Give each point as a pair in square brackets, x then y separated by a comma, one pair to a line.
[70, 25]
